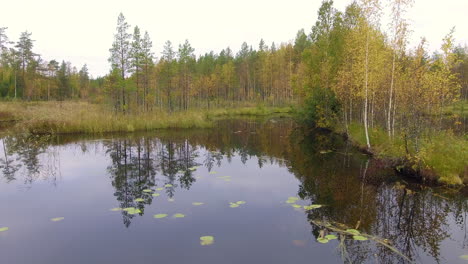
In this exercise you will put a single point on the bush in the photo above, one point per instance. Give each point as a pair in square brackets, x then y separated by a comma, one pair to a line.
[320, 109]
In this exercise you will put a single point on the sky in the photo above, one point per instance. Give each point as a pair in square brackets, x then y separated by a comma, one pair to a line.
[82, 31]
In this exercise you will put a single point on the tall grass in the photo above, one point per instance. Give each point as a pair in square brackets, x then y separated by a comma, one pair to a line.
[442, 153]
[83, 117]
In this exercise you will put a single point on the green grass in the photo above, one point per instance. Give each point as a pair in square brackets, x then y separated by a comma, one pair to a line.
[83, 117]
[459, 108]
[442, 153]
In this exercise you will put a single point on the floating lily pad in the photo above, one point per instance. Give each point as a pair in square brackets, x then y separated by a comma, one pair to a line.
[193, 168]
[234, 205]
[322, 240]
[290, 201]
[353, 231]
[312, 206]
[213, 172]
[139, 200]
[155, 194]
[116, 209]
[197, 203]
[330, 237]
[206, 240]
[360, 238]
[293, 198]
[168, 185]
[159, 189]
[296, 206]
[178, 216]
[158, 216]
[2, 229]
[56, 219]
[465, 257]
[147, 190]
[240, 202]
[133, 211]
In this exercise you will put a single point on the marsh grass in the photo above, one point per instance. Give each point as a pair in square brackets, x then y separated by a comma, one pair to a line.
[440, 152]
[83, 117]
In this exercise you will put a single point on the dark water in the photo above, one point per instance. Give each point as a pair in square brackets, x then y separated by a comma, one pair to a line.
[81, 179]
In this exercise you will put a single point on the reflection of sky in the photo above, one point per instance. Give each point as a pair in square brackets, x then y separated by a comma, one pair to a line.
[260, 231]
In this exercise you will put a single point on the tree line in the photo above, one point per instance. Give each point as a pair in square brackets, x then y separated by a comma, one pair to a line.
[346, 69]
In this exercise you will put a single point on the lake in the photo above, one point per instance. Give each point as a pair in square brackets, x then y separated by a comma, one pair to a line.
[234, 193]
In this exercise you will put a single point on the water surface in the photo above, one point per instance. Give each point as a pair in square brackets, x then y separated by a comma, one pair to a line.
[261, 162]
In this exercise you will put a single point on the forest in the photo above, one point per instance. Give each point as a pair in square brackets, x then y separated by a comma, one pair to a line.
[348, 73]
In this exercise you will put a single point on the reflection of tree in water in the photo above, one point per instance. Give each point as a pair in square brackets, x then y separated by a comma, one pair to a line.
[136, 163]
[355, 189]
[415, 220]
[29, 155]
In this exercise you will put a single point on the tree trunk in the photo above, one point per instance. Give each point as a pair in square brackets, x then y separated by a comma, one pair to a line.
[366, 92]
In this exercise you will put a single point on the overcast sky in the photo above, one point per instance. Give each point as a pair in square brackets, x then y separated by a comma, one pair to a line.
[82, 31]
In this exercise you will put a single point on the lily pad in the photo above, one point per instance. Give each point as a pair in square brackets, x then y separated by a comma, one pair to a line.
[155, 194]
[360, 238]
[330, 237]
[293, 198]
[197, 203]
[353, 231]
[312, 206]
[178, 216]
[116, 209]
[193, 168]
[139, 200]
[322, 240]
[158, 216]
[234, 205]
[2, 229]
[213, 172]
[168, 185]
[290, 201]
[56, 219]
[159, 189]
[296, 206]
[465, 257]
[240, 202]
[206, 240]
[133, 211]
[147, 190]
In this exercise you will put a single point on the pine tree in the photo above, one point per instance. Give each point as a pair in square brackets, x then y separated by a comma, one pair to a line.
[120, 54]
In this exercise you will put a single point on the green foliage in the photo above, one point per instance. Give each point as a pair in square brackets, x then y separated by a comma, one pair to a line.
[320, 109]
[441, 152]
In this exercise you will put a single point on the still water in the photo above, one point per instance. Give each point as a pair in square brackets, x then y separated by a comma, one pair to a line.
[205, 176]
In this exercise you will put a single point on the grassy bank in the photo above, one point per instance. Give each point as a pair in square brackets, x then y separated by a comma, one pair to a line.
[442, 157]
[83, 117]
